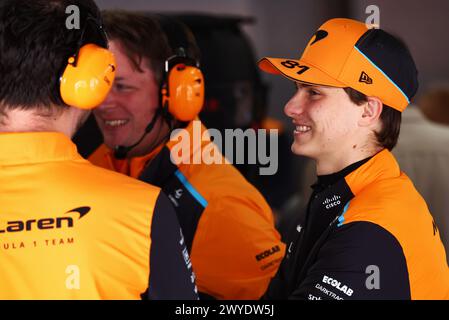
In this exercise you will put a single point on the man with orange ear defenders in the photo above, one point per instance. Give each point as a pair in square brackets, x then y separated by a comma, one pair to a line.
[367, 233]
[68, 229]
[227, 225]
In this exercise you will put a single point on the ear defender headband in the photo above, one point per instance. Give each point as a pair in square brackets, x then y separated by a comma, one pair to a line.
[90, 72]
[182, 90]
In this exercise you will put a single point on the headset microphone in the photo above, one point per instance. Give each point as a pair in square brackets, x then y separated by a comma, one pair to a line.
[120, 152]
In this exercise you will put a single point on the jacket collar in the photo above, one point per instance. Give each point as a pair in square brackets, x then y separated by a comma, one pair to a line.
[35, 147]
[380, 167]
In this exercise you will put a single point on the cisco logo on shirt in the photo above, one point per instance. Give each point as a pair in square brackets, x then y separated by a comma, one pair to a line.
[332, 202]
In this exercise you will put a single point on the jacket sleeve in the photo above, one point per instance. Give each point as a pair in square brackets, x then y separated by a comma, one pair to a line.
[360, 260]
[244, 254]
[171, 274]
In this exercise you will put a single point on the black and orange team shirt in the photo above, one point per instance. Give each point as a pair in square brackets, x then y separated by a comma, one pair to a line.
[227, 224]
[367, 234]
[70, 230]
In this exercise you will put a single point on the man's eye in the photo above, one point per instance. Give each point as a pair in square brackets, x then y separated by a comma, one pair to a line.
[122, 87]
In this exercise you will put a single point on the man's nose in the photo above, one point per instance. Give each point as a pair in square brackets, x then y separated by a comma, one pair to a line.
[293, 107]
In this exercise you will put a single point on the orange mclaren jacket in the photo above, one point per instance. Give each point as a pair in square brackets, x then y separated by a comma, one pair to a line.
[71, 230]
[367, 235]
[228, 226]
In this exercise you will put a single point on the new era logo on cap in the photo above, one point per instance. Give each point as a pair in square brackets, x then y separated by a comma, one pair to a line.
[365, 78]
[345, 53]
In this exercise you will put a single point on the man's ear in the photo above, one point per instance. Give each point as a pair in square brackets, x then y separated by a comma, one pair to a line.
[371, 112]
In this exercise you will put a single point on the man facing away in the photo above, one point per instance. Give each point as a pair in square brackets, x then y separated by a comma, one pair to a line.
[70, 230]
[227, 224]
[367, 233]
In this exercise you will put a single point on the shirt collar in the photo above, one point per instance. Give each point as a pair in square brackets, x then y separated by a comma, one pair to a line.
[35, 147]
[380, 167]
[324, 181]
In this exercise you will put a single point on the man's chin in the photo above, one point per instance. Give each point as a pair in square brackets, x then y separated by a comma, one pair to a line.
[300, 150]
[296, 149]
[113, 144]
[113, 140]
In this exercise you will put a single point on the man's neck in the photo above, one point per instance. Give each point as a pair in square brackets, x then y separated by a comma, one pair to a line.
[329, 165]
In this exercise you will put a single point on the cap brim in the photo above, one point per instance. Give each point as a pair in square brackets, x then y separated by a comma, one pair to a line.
[298, 70]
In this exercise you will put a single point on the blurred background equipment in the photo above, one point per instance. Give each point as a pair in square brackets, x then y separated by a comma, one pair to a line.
[235, 96]
[434, 103]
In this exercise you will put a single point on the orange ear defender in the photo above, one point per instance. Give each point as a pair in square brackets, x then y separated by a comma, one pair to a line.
[90, 71]
[183, 92]
[88, 77]
[182, 88]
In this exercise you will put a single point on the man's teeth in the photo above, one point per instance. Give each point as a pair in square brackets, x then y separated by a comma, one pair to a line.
[302, 128]
[115, 123]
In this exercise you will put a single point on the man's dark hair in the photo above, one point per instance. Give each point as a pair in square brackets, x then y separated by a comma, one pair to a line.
[142, 36]
[35, 45]
[390, 118]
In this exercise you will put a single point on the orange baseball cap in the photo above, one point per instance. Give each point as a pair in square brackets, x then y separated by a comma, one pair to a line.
[346, 53]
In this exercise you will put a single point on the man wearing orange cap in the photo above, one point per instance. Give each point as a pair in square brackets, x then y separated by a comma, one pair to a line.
[367, 233]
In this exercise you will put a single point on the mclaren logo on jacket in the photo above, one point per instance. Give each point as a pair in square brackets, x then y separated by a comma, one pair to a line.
[43, 224]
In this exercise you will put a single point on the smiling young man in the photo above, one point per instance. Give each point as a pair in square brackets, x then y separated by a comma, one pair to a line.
[367, 233]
